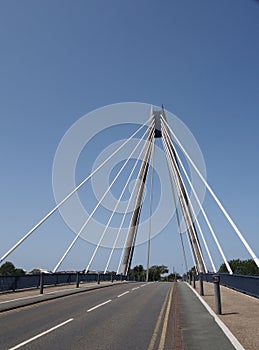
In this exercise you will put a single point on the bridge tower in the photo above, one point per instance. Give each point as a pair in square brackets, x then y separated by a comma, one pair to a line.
[157, 131]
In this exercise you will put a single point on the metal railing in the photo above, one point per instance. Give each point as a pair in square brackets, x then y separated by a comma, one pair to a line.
[13, 283]
[242, 283]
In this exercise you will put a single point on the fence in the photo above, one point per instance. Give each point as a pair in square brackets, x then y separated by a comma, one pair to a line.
[242, 283]
[12, 283]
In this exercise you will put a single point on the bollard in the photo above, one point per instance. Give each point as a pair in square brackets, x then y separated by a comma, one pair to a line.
[216, 281]
[194, 284]
[98, 278]
[111, 277]
[201, 284]
[190, 278]
[121, 278]
[77, 279]
[41, 282]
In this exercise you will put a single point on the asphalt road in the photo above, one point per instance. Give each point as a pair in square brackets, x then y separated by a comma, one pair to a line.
[128, 316]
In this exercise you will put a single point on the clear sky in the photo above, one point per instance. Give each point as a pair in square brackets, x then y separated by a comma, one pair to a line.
[62, 59]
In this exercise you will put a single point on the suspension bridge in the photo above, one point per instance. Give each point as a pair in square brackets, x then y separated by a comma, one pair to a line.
[156, 327]
[156, 127]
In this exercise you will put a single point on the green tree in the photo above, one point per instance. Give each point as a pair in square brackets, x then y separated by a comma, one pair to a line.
[173, 277]
[138, 273]
[19, 272]
[8, 269]
[156, 271]
[241, 267]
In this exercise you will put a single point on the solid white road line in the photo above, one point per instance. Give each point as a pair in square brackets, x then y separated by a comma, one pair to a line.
[29, 297]
[143, 285]
[118, 296]
[222, 325]
[37, 296]
[99, 305]
[41, 334]
[135, 288]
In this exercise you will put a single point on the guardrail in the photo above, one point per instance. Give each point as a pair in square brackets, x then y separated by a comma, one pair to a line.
[242, 283]
[13, 283]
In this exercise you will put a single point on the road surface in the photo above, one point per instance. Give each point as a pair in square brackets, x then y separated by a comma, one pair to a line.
[128, 316]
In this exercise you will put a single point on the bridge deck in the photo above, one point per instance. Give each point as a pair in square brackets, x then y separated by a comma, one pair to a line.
[196, 327]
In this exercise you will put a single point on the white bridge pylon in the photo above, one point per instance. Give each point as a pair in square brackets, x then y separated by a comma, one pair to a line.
[156, 127]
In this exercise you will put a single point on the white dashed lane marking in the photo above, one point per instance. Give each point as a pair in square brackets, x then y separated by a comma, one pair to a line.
[99, 305]
[118, 296]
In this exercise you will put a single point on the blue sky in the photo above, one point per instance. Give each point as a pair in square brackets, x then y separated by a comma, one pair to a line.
[62, 59]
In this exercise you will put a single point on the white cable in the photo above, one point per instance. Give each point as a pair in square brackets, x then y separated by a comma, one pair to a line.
[148, 153]
[116, 206]
[174, 189]
[189, 213]
[239, 234]
[198, 225]
[90, 217]
[150, 209]
[139, 212]
[197, 199]
[123, 220]
[67, 197]
[177, 185]
[133, 242]
[206, 218]
[122, 193]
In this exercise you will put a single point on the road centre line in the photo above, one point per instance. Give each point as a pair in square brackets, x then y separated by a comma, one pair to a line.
[159, 320]
[165, 325]
[99, 305]
[41, 334]
[118, 296]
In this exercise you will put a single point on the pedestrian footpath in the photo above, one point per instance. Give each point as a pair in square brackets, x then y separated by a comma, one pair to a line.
[240, 313]
[199, 330]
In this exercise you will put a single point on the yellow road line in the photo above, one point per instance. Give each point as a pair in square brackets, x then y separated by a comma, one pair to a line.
[155, 333]
[163, 334]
